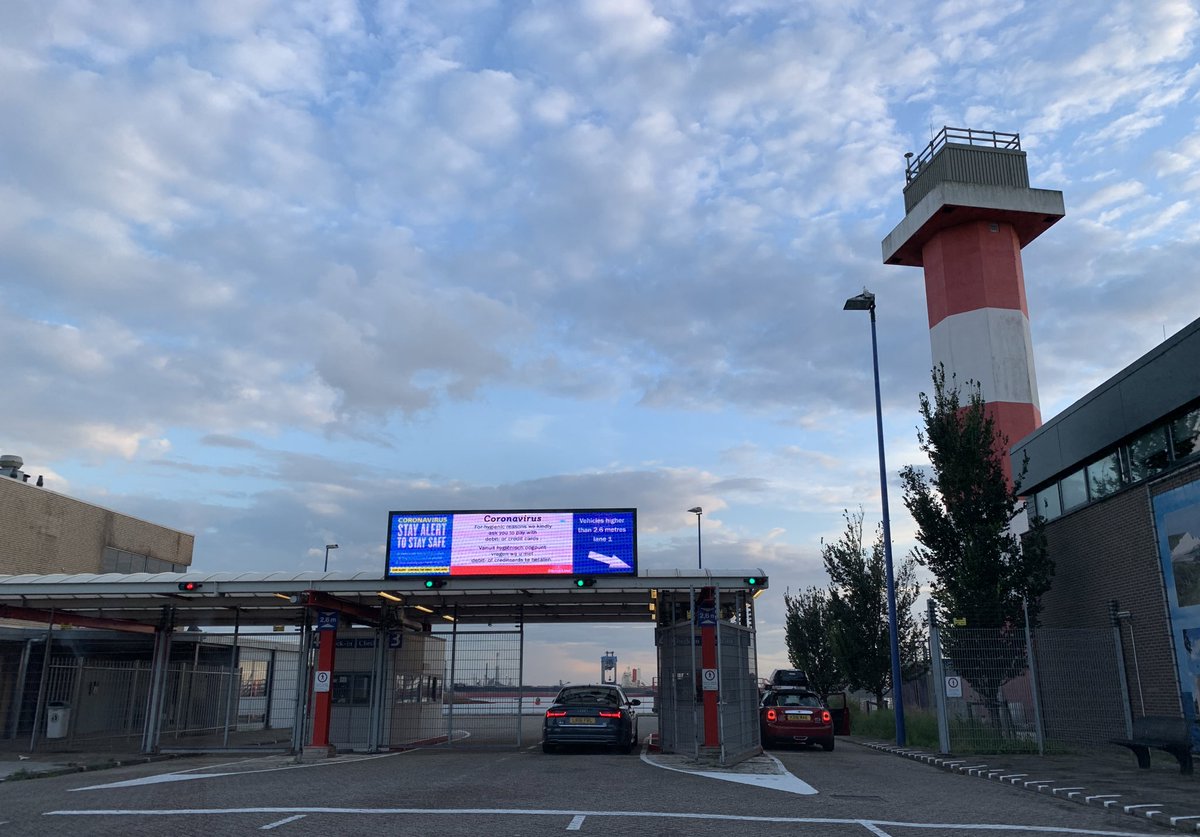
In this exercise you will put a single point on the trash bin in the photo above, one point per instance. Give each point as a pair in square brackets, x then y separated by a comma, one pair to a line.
[58, 716]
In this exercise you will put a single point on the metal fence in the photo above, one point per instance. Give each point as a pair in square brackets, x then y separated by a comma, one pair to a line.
[1015, 690]
[91, 690]
[679, 701]
[484, 700]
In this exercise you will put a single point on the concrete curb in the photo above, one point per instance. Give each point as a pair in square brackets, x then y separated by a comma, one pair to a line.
[32, 771]
[1151, 811]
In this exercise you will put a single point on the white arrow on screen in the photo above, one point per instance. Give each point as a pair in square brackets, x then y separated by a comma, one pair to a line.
[612, 560]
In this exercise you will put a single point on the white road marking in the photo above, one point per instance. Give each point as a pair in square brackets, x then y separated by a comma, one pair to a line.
[969, 828]
[879, 832]
[185, 775]
[781, 781]
[576, 823]
[284, 821]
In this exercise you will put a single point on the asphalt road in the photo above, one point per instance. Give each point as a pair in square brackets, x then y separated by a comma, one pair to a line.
[859, 791]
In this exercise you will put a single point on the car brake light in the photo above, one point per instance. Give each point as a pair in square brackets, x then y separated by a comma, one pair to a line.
[826, 717]
[550, 713]
[771, 716]
[604, 714]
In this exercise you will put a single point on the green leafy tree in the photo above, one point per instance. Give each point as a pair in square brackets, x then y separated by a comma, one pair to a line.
[858, 610]
[983, 572]
[807, 631]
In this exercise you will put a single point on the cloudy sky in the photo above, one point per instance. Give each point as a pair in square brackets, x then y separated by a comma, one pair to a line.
[270, 269]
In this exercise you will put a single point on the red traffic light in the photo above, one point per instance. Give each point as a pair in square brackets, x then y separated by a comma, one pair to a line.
[189, 586]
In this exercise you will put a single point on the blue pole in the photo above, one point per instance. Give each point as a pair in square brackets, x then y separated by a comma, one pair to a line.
[897, 688]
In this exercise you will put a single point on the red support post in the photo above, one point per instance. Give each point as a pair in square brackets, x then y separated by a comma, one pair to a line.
[708, 660]
[323, 701]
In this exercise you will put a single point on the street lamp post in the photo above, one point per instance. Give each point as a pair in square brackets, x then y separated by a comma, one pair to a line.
[328, 547]
[699, 554]
[866, 302]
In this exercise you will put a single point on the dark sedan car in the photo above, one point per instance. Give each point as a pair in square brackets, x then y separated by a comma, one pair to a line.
[795, 715]
[591, 715]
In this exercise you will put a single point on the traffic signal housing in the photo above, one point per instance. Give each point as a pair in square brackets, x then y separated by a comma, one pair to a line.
[583, 581]
[755, 582]
[190, 586]
[431, 583]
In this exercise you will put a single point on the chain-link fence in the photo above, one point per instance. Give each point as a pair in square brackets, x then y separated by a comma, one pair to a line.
[1013, 690]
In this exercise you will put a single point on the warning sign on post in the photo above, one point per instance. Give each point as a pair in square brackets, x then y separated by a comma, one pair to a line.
[709, 679]
[954, 686]
[321, 681]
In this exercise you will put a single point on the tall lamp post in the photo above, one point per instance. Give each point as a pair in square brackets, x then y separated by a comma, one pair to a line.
[328, 547]
[866, 302]
[699, 554]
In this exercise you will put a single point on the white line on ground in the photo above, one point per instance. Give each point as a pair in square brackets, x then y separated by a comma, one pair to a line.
[185, 775]
[576, 822]
[871, 827]
[283, 821]
[781, 780]
[969, 828]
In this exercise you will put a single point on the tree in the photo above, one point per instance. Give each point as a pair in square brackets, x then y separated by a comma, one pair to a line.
[983, 572]
[807, 631]
[858, 609]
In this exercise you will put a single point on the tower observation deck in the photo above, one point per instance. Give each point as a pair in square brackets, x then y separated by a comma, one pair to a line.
[969, 210]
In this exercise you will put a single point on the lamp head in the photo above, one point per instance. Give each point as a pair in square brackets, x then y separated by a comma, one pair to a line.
[863, 302]
[331, 546]
[696, 510]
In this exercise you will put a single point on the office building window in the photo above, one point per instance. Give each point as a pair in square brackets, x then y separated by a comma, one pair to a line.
[1074, 490]
[1104, 476]
[1046, 503]
[1148, 454]
[1185, 434]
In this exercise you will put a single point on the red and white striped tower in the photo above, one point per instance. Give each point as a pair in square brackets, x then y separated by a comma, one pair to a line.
[969, 212]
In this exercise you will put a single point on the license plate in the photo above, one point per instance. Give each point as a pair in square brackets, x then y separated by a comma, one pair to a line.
[798, 713]
[583, 720]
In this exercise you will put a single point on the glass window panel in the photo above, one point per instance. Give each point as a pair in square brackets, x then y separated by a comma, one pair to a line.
[123, 559]
[137, 563]
[1104, 476]
[1185, 434]
[1046, 503]
[108, 563]
[1074, 490]
[1148, 454]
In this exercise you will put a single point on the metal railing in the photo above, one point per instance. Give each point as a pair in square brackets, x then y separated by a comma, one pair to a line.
[961, 136]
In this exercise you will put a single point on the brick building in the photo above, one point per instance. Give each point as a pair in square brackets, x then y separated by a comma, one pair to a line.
[1117, 478]
[45, 532]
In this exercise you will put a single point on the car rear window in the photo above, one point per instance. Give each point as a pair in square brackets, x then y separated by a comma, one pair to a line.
[588, 696]
[777, 699]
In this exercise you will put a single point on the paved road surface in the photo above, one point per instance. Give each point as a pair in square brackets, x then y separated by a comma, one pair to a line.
[851, 791]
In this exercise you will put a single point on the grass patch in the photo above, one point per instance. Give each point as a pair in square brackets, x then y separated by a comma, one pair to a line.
[973, 737]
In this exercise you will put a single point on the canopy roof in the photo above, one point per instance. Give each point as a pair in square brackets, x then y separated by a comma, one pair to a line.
[281, 598]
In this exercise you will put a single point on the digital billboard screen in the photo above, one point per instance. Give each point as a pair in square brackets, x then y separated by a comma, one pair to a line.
[528, 542]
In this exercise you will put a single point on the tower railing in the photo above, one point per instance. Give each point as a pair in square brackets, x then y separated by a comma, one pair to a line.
[962, 136]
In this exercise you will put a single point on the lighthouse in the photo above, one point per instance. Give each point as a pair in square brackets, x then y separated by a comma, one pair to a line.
[969, 211]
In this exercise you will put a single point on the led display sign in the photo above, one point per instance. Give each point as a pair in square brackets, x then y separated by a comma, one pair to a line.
[534, 542]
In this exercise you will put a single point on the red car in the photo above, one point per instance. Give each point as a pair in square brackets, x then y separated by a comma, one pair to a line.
[795, 715]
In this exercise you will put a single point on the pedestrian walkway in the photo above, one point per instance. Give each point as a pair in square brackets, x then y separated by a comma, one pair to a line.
[1100, 778]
